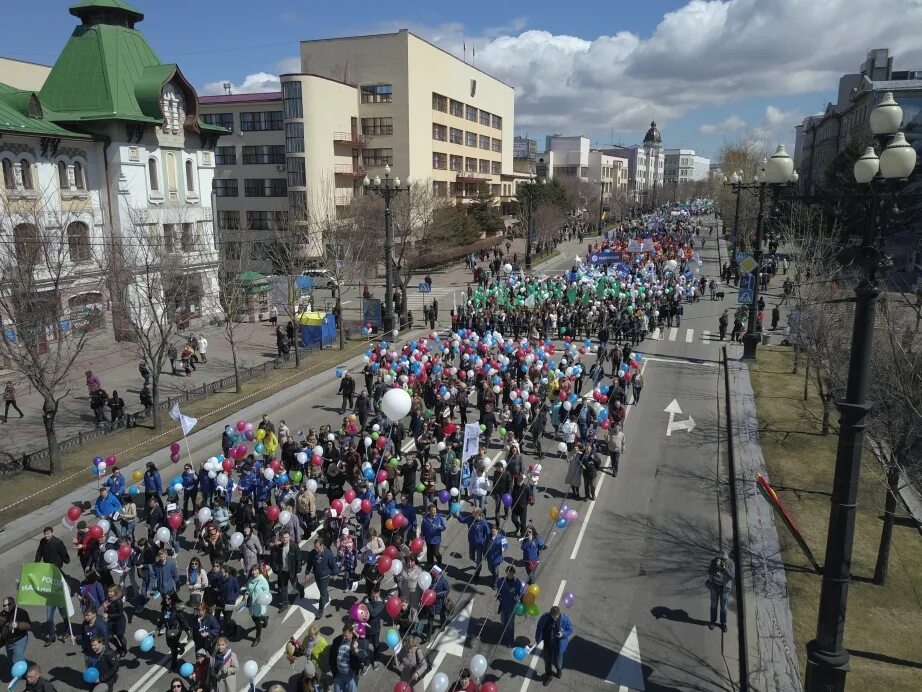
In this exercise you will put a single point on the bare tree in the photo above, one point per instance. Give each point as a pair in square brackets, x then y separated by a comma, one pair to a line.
[237, 288]
[548, 222]
[51, 295]
[743, 155]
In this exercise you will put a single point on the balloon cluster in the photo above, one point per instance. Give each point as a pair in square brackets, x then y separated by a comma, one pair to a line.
[563, 515]
[100, 466]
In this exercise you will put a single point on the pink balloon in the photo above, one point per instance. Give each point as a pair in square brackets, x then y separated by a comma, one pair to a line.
[572, 515]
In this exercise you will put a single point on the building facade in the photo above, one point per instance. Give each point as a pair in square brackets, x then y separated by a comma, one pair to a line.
[103, 148]
[646, 166]
[684, 165]
[610, 172]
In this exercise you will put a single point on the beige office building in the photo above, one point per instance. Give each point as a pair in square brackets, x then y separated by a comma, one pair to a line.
[424, 112]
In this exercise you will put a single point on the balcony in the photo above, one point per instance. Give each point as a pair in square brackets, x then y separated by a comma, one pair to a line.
[350, 170]
[472, 177]
[343, 199]
[353, 139]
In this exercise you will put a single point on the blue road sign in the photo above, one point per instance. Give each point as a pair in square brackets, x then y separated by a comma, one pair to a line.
[746, 289]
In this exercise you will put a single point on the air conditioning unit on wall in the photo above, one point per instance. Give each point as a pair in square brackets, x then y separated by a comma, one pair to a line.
[280, 166]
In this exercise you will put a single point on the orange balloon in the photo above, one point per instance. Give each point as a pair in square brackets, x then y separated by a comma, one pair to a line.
[529, 598]
[389, 524]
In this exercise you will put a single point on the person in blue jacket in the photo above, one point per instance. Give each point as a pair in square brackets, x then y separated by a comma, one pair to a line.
[553, 631]
[407, 509]
[153, 486]
[387, 509]
[532, 545]
[189, 490]
[206, 486]
[164, 578]
[432, 527]
[478, 537]
[364, 518]
[107, 504]
[509, 592]
[116, 482]
[495, 551]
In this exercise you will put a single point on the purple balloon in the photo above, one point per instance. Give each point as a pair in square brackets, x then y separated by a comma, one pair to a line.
[444, 496]
[572, 515]
[569, 599]
[563, 510]
[507, 500]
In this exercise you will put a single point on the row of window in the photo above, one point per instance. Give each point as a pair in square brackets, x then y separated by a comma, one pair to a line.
[377, 93]
[442, 161]
[440, 188]
[377, 126]
[442, 133]
[263, 153]
[172, 179]
[70, 177]
[252, 187]
[28, 243]
[251, 121]
[462, 110]
[229, 220]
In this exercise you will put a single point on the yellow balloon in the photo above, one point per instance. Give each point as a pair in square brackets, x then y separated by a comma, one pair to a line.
[260, 434]
[138, 475]
[534, 590]
[529, 598]
[553, 512]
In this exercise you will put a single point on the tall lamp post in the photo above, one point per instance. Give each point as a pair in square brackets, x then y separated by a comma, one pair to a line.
[601, 185]
[387, 189]
[734, 183]
[827, 657]
[531, 191]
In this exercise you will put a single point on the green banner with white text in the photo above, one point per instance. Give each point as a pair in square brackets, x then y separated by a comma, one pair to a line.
[41, 584]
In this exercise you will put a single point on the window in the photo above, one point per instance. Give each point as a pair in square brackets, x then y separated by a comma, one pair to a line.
[456, 163]
[456, 108]
[225, 156]
[497, 122]
[297, 176]
[439, 161]
[484, 118]
[496, 144]
[484, 142]
[265, 187]
[377, 93]
[9, 178]
[294, 138]
[63, 180]
[496, 168]
[261, 121]
[484, 166]
[455, 189]
[220, 119]
[26, 168]
[190, 176]
[79, 176]
[169, 236]
[170, 172]
[439, 132]
[26, 243]
[225, 188]
[229, 220]
[297, 201]
[470, 139]
[470, 113]
[78, 241]
[439, 188]
[291, 103]
[187, 237]
[152, 174]
[264, 153]
[378, 157]
[494, 190]
[377, 126]
[439, 102]
[259, 220]
[455, 136]
[470, 165]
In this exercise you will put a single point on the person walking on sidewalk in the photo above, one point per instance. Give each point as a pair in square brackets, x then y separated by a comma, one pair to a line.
[721, 574]
[144, 370]
[722, 325]
[347, 390]
[93, 384]
[203, 347]
[9, 398]
[776, 317]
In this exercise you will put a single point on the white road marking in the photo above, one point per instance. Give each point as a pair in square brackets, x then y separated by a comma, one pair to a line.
[689, 336]
[627, 671]
[535, 658]
[706, 335]
[673, 332]
[598, 488]
[680, 361]
[673, 409]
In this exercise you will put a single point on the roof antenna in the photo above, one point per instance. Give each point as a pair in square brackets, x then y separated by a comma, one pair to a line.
[227, 88]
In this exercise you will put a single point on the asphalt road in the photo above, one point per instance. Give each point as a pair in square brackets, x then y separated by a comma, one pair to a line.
[636, 559]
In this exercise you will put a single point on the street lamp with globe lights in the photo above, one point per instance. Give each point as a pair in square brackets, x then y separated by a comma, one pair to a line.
[886, 176]
[387, 190]
[531, 189]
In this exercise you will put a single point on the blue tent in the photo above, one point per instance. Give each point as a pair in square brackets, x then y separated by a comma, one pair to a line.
[317, 329]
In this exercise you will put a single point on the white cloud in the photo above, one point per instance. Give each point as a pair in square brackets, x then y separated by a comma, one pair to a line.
[706, 53]
[252, 84]
[730, 125]
[287, 65]
[777, 126]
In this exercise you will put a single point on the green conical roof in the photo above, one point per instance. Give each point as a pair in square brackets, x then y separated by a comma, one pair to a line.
[87, 8]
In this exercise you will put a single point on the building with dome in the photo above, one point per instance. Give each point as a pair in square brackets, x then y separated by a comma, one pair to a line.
[646, 167]
[102, 153]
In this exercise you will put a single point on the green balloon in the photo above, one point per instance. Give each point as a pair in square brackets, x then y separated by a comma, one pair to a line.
[520, 609]
[502, 432]
[420, 488]
[482, 427]
[374, 436]
[534, 610]
[296, 476]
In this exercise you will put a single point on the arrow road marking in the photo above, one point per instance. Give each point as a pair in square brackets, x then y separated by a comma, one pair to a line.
[674, 409]
[627, 672]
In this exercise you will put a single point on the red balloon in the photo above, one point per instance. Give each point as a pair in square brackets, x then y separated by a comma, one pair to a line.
[273, 513]
[111, 460]
[74, 513]
[227, 465]
[349, 496]
[316, 460]
[337, 505]
[399, 521]
[366, 506]
[95, 531]
[401, 686]
[384, 564]
[241, 425]
[174, 521]
[417, 545]
[381, 442]
[124, 551]
[382, 476]
[275, 465]
[489, 687]
[391, 551]
[428, 597]
[393, 605]
[174, 448]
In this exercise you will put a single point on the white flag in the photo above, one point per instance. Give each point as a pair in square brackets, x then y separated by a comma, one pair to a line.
[471, 441]
[187, 422]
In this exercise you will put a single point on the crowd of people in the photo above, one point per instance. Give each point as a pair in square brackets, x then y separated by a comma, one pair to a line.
[544, 366]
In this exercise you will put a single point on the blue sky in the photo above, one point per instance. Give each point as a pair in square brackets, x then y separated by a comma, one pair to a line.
[707, 71]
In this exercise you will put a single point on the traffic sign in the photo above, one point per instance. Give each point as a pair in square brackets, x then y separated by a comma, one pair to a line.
[748, 264]
[746, 289]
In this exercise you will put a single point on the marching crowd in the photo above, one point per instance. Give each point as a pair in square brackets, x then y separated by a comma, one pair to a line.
[201, 558]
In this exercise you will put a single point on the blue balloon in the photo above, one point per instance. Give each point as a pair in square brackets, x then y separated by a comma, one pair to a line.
[91, 675]
[147, 644]
[134, 490]
[392, 638]
[518, 653]
[19, 669]
[186, 669]
[369, 474]
[561, 523]
[94, 470]
[454, 507]
[171, 489]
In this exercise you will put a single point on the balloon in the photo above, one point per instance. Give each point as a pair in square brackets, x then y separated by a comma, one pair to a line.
[140, 635]
[396, 567]
[534, 589]
[454, 507]
[337, 505]
[561, 523]
[236, 540]
[124, 551]
[312, 485]
[489, 687]
[356, 505]
[478, 666]
[223, 480]
[111, 460]
[417, 545]
[401, 686]
[174, 448]
[317, 451]
[528, 599]
[110, 557]
[444, 496]
[424, 580]
[392, 638]
[250, 669]
[273, 513]
[91, 675]
[259, 434]
[569, 599]
[174, 521]
[366, 506]
[284, 516]
[96, 532]
[572, 515]
[204, 515]
[507, 500]
[393, 605]
[349, 496]
[553, 512]
[19, 669]
[148, 643]
[518, 653]
[533, 610]
[453, 492]
[163, 534]
[520, 609]
[74, 513]
[101, 467]
[186, 669]
[440, 683]
[265, 598]
[428, 597]
[137, 475]
[395, 405]
[562, 447]
[296, 476]
[260, 448]
[384, 564]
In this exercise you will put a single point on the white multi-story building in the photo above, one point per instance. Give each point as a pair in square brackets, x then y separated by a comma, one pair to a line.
[610, 172]
[646, 166]
[684, 165]
[109, 145]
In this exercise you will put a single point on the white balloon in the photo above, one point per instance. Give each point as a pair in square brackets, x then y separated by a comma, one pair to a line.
[424, 580]
[268, 474]
[367, 442]
[301, 457]
[250, 669]
[111, 557]
[284, 517]
[331, 437]
[213, 461]
[204, 515]
[454, 492]
[212, 474]
[441, 682]
[101, 467]
[396, 567]
[396, 404]
[265, 598]
[440, 446]
[163, 535]
[140, 635]
[236, 540]
[356, 505]
[223, 480]
[318, 450]
[375, 428]
[312, 485]
[104, 525]
[562, 447]
[478, 666]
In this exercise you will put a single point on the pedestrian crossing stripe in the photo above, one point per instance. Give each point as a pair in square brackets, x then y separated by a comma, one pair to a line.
[659, 334]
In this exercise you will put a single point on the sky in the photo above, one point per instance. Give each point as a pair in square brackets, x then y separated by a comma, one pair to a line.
[708, 72]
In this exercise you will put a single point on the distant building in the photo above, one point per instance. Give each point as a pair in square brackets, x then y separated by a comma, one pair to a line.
[524, 148]
[646, 165]
[684, 165]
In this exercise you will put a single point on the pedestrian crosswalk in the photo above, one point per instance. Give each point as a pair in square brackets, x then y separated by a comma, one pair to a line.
[687, 335]
[446, 295]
